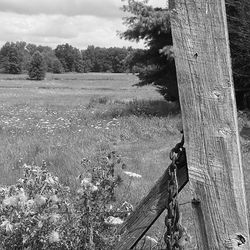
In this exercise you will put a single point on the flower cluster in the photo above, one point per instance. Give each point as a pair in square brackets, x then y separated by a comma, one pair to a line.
[38, 212]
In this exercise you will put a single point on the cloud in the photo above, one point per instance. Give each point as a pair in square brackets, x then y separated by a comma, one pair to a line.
[51, 30]
[100, 8]
[52, 22]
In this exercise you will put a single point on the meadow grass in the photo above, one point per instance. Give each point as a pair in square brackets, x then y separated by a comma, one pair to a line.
[73, 116]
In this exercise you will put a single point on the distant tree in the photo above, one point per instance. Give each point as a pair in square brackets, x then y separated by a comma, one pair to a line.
[70, 58]
[32, 48]
[97, 59]
[37, 68]
[11, 58]
[57, 67]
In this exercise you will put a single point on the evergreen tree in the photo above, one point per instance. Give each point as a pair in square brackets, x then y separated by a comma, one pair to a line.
[152, 25]
[37, 69]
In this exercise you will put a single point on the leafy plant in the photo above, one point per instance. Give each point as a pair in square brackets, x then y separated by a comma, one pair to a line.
[38, 212]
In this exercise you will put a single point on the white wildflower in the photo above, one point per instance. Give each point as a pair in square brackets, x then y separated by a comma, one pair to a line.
[10, 201]
[80, 191]
[113, 220]
[3, 189]
[131, 174]
[40, 224]
[126, 206]
[86, 182]
[22, 197]
[54, 218]
[40, 200]
[54, 199]
[54, 237]
[7, 226]
[4, 223]
[30, 204]
[30, 183]
[50, 180]
[93, 188]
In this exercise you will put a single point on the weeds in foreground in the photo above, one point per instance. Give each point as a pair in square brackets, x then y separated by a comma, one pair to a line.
[38, 212]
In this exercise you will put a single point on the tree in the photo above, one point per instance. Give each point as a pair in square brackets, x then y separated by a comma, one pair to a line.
[239, 33]
[70, 58]
[57, 67]
[37, 68]
[153, 26]
[11, 59]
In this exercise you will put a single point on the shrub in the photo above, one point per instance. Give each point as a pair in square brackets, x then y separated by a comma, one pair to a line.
[37, 69]
[41, 213]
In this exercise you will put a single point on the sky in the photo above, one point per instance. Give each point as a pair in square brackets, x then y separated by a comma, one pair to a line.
[77, 22]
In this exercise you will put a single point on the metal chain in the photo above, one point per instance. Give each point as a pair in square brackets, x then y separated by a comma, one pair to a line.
[174, 229]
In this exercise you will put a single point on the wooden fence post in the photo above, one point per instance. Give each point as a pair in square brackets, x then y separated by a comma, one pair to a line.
[202, 55]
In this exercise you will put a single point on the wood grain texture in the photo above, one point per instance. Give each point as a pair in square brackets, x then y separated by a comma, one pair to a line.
[204, 74]
[147, 212]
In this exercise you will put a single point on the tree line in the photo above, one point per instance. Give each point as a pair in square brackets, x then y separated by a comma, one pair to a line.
[16, 58]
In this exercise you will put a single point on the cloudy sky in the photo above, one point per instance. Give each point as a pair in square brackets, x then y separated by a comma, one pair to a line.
[77, 22]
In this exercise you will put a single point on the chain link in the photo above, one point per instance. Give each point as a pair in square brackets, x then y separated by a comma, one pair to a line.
[174, 229]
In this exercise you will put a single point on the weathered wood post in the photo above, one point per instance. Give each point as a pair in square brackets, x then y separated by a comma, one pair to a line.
[201, 47]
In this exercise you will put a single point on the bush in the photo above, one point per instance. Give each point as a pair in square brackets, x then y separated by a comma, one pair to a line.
[41, 213]
[37, 69]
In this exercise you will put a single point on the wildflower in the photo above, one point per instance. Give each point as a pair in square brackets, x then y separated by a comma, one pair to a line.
[54, 199]
[93, 188]
[131, 174]
[30, 183]
[80, 191]
[40, 200]
[7, 225]
[40, 224]
[54, 218]
[3, 189]
[54, 237]
[127, 206]
[86, 182]
[113, 220]
[22, 197]
[10, 201]
[30, 203]
[50, 180]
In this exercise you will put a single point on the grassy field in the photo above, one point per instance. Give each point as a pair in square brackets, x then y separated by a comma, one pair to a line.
[68, 117]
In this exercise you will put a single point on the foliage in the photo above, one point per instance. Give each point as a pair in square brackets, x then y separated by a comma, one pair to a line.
[57, 67]
[41, 213]
[37, 69]
[239, 34]
[98, 59]
[70, 58]
[153, 26]
[11, 58]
